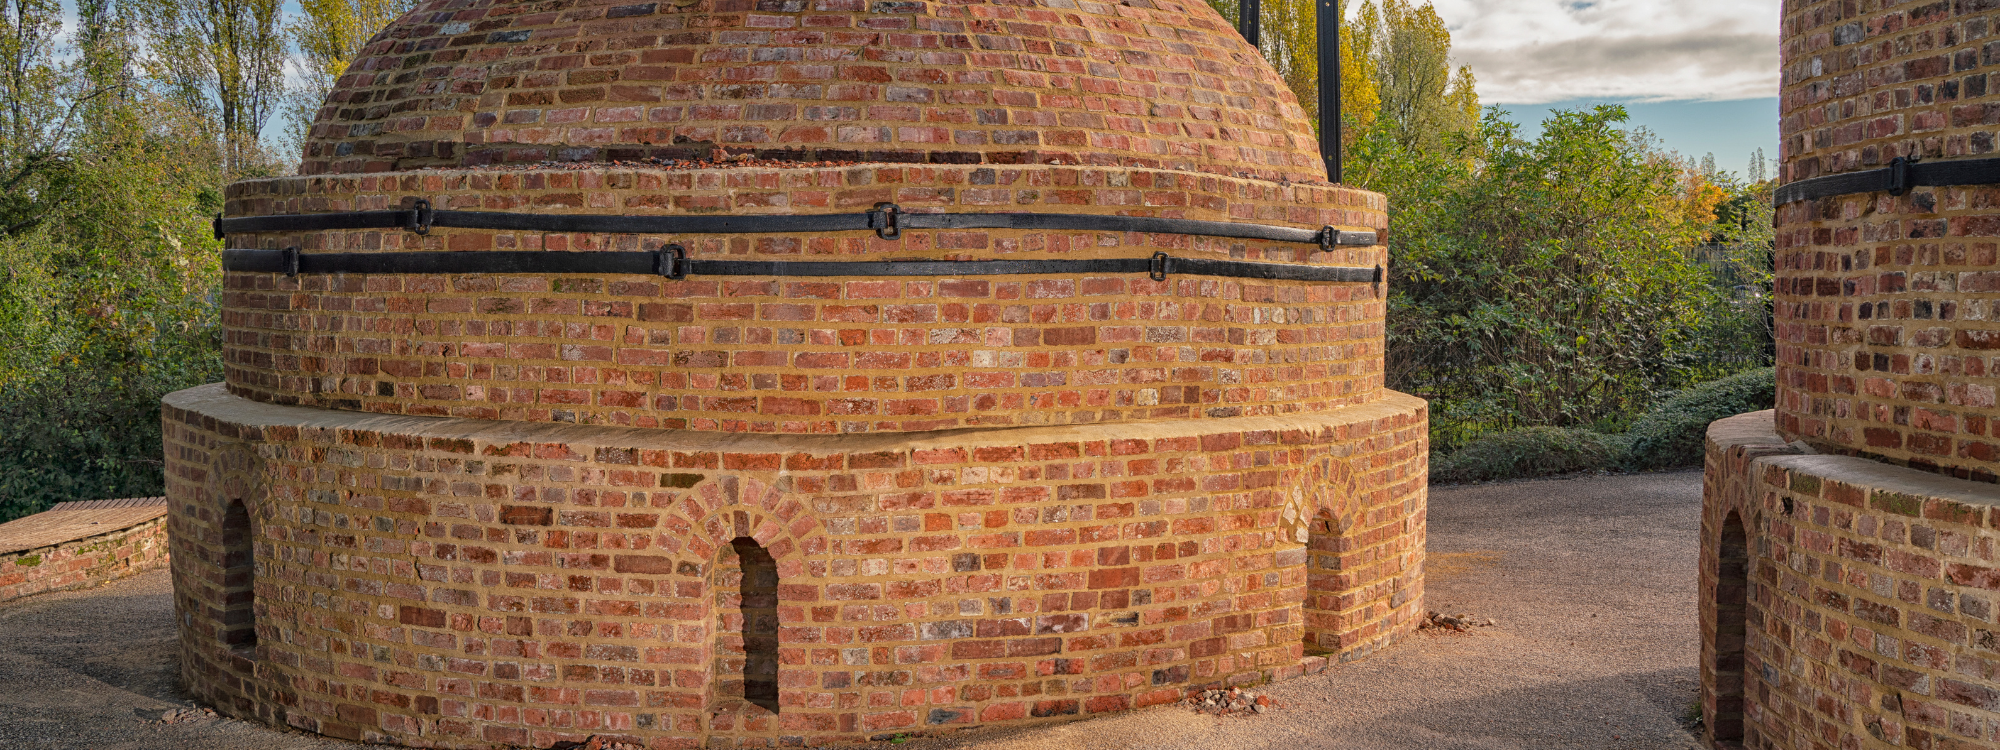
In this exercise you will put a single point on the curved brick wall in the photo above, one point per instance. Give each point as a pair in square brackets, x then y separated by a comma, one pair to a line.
[1166, 84]
[1888, 308]
[821, 355]
[512, 509]
[1854, 607]
[449, 583]
[1847, 562]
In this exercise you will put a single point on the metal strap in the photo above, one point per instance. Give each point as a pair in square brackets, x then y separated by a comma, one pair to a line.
[1898, 178]
[673, 263]
[886, 220]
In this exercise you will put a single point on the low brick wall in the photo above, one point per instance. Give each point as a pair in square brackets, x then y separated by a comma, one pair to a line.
[460, 583]
[1844, 602]
[85, 562]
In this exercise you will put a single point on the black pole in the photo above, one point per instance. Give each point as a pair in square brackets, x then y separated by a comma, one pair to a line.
[1329, 87]
[1248, 14]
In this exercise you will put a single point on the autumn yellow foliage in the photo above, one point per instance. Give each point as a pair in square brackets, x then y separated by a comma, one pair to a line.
[1394, 67]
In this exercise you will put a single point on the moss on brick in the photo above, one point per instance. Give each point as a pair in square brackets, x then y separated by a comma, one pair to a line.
[28, 561]
[1805, 484]
[1896, 502]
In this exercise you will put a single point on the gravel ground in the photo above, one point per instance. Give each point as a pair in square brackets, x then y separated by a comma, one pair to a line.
[1591, 581]
[96, 670]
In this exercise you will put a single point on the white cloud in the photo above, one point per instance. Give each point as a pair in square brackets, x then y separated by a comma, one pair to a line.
[1534, 51]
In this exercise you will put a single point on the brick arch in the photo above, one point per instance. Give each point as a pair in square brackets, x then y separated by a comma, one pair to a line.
[706, 518]
[236, 472]
[1322, 493]
[720, 509]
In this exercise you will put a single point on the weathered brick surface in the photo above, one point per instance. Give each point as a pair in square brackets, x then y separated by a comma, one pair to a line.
[517, 509]
[810, 354]
[1870, 595]
[455, 582]
[1157, 84]
[84, 562]
[1888, 308]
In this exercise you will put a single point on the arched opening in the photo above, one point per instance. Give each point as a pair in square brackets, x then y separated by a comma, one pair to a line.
[1732, 596]
[746, 655]
[239, 580]
[1325, 585]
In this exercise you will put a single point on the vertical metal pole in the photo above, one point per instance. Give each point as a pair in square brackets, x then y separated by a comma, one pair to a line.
[1329, 86]
[1248, 14]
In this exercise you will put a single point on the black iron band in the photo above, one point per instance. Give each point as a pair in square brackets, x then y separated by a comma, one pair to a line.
[673, 263]
[1898, 178]
[886, 220]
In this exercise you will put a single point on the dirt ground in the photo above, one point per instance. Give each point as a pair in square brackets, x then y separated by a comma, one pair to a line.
[1591, 582]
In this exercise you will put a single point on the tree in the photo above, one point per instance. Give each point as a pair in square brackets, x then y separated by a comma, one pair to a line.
[1288, 36]
[329, 35]
[222, 60]
[107, 267]
[1423, 101]
[1548, 281]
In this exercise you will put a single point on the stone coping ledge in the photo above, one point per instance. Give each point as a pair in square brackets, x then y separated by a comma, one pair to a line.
[70, 521]
[1756, 432]
[215, 402]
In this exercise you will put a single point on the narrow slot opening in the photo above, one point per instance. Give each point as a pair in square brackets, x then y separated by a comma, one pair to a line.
[1732, 589]
[1323, 574]
[239, 580]
[758, 608]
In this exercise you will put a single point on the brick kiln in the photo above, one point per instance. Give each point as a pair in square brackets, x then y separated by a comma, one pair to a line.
[774, 373]
[1848, 537]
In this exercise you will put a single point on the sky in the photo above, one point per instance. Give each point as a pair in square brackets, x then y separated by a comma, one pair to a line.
[1701, 74]
[1730, 129]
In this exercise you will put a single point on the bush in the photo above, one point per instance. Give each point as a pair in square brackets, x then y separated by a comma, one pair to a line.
[1667, 436]
[1529, 452]
[78, 439]
[1670, 434]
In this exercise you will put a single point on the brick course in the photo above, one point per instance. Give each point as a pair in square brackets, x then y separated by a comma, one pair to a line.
[813, 354]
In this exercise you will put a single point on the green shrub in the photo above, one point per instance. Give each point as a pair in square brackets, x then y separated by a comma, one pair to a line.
[1667, 436]
[1670, 434]
[73, 438]
[1555, 281]
[1528, 452]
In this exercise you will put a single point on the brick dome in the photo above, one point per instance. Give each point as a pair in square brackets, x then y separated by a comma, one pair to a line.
[1161, 84]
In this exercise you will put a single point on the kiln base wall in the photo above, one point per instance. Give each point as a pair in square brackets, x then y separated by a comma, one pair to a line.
[456, 583]
[1855, 609]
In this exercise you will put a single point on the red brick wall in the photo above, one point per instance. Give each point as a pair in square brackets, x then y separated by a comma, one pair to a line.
[1871, 588]
[988, 501]
[826, 355]
[1160, 85]
[1888, 308]
[83, 562]
[460, 582]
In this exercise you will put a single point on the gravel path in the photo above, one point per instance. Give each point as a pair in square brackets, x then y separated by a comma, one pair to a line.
[1592, 582]
[97, 669]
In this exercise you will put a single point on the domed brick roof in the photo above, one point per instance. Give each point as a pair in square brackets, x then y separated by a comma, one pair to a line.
[1165, 84]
